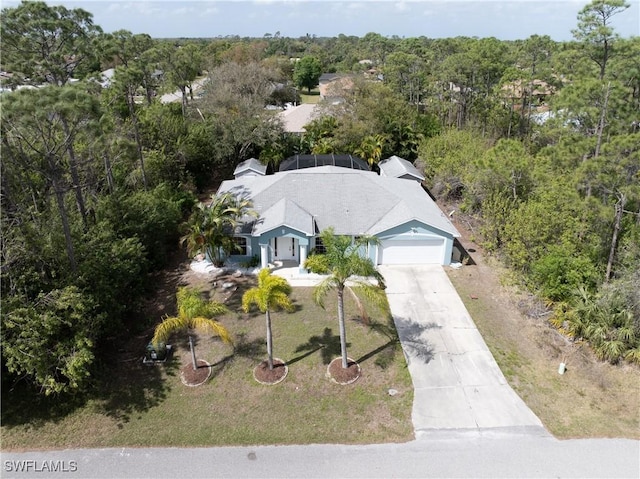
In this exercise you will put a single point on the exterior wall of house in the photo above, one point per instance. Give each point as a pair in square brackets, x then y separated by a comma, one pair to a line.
[415, 231]
[263, 244]
[283, 232]
[253, 249]
[254, 242]
[412, 231]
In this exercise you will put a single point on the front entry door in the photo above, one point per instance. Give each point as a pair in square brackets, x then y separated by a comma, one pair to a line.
[285, 249]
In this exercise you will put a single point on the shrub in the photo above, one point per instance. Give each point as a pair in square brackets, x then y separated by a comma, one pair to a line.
[558, 274]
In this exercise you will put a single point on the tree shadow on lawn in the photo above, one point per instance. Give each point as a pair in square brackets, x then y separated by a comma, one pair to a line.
[142, 387]
[255, 349]
[138, 388]
[23, 403]
[135, 388]
[328, 344]
[215, 344]
[391, 346]
[128, 387]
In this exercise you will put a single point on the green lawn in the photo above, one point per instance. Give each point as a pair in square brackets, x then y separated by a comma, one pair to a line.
[149, 406]
[310, 97]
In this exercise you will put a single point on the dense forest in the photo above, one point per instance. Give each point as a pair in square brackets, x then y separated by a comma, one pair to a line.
[536, 139]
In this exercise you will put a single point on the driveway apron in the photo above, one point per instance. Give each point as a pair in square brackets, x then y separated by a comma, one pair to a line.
[457, 383]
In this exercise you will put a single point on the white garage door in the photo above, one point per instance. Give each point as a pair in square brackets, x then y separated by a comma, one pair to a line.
[425, 251]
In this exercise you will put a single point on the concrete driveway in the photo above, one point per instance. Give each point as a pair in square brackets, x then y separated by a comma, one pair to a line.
[457, 382]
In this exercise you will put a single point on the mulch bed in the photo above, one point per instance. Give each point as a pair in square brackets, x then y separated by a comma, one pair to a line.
[343, 376]
[195, 377]
[264, 375]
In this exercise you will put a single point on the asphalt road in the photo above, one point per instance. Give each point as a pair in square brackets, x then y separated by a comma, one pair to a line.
[491, 454]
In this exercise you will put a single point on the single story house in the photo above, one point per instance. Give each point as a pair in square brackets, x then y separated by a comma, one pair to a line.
[332, 86]
[537, 90]
[295, 205]
[295, 118]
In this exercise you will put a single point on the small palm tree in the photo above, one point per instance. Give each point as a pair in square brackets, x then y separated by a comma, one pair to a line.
[193, 313]
[343, 262]
[323, 146]
[371, 149]
[271, 293]
[194, 236]
[209, 227]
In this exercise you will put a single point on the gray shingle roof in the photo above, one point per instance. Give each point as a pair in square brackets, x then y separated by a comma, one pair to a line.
[397, 167]
[329, 77]
[285, 213]
[294, 119]
[250, 165]
[353, 202]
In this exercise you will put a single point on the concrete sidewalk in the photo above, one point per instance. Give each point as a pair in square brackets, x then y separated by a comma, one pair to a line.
[457, 382]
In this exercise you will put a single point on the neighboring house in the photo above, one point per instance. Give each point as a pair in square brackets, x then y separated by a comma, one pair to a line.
[537, 90]
[295, 118]
[294, 206]
[396, 167]
[333, 86]
[106, 77]
[373, 74]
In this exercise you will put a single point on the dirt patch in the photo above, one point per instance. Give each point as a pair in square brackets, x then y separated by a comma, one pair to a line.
[343, 376]
[195, 377]
[264, 375]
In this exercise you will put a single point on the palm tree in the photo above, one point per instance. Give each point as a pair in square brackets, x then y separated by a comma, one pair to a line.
[323, 146]
[371, 149]
[193, 313]
[194, 236]
[271, 293]
[343, 262]
[209, 227]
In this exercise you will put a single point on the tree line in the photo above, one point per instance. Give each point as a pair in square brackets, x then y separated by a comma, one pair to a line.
[539, 139]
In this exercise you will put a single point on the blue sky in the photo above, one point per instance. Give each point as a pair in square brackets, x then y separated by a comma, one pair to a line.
[506, 20]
